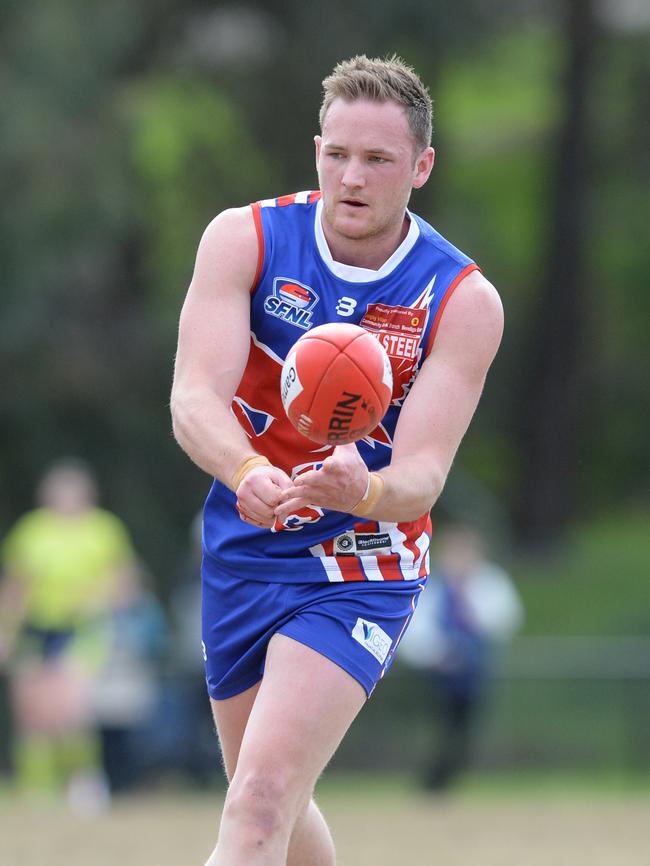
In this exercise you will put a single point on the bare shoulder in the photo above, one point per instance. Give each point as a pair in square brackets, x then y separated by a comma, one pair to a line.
[472, 322]
[235, 222]
[229, 247]
[218, 298]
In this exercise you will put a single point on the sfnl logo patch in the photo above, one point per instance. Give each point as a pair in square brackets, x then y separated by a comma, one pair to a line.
[373, 638]
[292, 302]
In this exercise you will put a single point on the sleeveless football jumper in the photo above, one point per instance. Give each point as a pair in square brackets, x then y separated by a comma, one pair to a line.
[298, 286]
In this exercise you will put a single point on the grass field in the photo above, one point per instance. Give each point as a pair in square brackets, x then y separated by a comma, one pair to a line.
[374, 825]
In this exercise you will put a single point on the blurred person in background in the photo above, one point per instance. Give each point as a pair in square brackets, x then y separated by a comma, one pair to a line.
[126, 692]
[469, 611]
[61, 563]
[296, 638]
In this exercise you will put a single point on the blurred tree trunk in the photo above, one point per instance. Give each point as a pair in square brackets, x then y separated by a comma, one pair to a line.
[550, 408]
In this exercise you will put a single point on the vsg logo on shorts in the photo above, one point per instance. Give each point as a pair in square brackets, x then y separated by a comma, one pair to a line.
[373, 638]
[292, 302]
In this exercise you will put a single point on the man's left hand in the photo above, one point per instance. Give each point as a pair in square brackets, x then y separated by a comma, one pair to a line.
[339, 485]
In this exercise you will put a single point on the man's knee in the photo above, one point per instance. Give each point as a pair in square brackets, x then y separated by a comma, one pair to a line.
[267, 799]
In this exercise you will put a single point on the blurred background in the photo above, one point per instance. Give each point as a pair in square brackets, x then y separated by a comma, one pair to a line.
[126, 126]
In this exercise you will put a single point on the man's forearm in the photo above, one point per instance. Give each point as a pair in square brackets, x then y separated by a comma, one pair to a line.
[209, 434]
[409, 492]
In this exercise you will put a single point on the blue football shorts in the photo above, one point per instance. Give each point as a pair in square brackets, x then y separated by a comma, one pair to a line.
[356, 625]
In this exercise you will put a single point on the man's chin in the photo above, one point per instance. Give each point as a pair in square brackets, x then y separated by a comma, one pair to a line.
[353, 226]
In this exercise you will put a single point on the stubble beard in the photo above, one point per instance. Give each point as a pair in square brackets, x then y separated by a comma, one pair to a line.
[367, 232]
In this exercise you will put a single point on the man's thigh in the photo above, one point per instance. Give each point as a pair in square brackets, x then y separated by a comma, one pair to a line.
[231, 717]
[304, 706]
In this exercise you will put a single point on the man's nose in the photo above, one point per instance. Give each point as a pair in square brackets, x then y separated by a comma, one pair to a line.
[353, 176]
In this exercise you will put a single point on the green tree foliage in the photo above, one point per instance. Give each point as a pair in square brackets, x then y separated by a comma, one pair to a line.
[192, 156]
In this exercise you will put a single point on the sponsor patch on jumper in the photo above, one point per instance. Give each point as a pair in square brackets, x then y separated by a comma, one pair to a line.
[399, 330]
[352, 543]
[373, 638]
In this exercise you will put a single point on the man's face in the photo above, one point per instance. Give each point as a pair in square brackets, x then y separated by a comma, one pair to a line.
[367, 165]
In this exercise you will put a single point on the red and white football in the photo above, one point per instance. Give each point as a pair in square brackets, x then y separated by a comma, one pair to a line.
[336, 383]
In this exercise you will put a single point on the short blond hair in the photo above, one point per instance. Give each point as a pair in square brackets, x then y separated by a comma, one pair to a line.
[380, 80]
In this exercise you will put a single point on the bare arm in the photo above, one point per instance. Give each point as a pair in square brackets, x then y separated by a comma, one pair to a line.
[213, 347]
[213, 344]
[12, 613]
[433, 420]
[444, 397]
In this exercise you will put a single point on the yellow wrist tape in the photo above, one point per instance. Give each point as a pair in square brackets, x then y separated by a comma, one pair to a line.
[372, 495]
[245, 467]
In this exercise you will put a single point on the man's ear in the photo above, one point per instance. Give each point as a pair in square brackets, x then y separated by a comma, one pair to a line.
[423, 167]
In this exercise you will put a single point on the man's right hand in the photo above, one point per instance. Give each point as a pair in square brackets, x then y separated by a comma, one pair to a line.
[259, 493]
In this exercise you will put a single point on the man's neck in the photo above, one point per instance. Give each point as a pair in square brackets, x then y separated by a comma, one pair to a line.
[369, 252]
